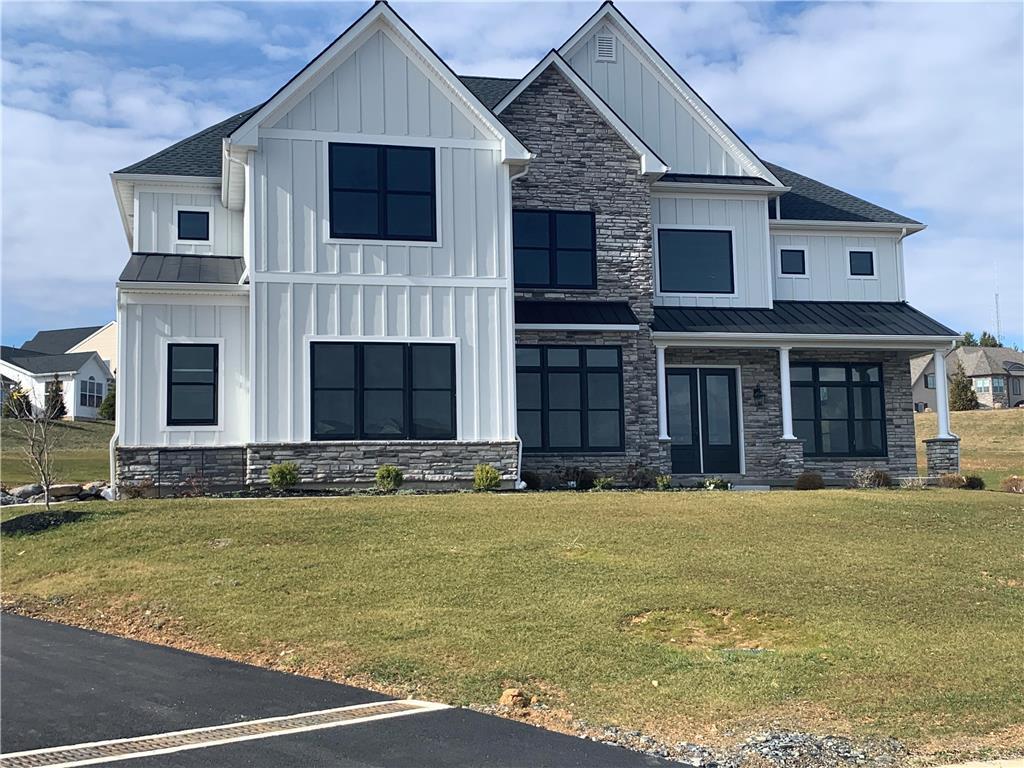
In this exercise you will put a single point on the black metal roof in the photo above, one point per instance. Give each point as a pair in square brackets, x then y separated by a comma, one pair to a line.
[868, 318]
[59, 340]
[182, 268]
[35, 362]
[706, 178]
[535, 312]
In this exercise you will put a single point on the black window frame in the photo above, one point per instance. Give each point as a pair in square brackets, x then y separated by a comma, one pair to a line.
[929, 377]
[851, 386]
[803, 262]
[205, 214]
[553, 249]
[582, 369]
[359, 389]
[382, 192]
[849, 262]
[92, 393]
[214, 386]
[732, 262]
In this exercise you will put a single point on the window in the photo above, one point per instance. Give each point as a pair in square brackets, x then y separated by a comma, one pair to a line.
[553, 249]
[981, 385]
[929, 381]
[862, 264]
[92, 393]
[1015, 385]
[839, 409]
[191, 384]
[382, 193]
[998, 385]
[569, 399]
[385, 391]
[791, 261]
[695, 261]
[193, 225]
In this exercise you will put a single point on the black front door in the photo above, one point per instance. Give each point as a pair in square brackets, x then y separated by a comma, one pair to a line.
[703, 420]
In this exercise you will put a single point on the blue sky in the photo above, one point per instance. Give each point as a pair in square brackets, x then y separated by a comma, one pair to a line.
[917, 106]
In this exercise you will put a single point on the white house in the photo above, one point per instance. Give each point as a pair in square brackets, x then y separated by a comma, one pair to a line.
[84, 377]
[386, 262]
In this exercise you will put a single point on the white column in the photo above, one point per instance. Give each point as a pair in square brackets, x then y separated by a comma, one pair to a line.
[662, 396]
[942, 393]
[787, 395]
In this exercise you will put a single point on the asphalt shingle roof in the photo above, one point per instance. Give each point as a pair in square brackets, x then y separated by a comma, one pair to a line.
[532, 312]
[59, 340]
[490, 90]
[34, 362]
[984, 361]
[870, 318]
[182, 268]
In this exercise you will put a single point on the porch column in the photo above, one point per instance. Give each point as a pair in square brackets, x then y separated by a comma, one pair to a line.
[662, 398]
[787, 395]
[942, 394]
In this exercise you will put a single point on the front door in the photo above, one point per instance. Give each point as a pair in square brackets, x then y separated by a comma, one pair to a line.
[703, 420]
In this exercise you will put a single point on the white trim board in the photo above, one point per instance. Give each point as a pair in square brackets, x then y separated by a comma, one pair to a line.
[803, 341]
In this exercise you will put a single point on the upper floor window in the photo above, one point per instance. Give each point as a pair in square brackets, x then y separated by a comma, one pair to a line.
[382, 192]
[382, 391]
[191, 384]
[929, 381]
[862, 263]
[193, 225]
[695, 261]
[554, 249]
[791, 261]
[92, 393]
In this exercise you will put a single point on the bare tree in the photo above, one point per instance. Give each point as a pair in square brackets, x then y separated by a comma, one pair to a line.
[39, 428]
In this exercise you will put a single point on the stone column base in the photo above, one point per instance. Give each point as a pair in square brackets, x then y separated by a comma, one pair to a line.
[943, 455]
[790, 452]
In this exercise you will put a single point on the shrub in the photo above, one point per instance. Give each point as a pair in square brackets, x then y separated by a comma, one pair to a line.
[108, 406]
[579, 478]
[962, 396]
[871, 478]
[486, 478]
[143, 489]
[952, 480]
[810, 481]
[283, 476]
[663, 482]
[1013, 484]
[54, 403]
[389, 478]
[973, 483]
[603, 483]
[716, 484]
[914, 483]
[17, 404]
[532, 480]
[640, 476]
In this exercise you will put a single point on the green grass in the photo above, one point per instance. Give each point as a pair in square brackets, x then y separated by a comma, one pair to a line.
[82, 454]
[894, 612]
[991, 442]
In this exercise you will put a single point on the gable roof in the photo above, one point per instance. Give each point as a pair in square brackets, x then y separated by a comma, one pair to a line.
[36, 363]
[986, 361]
[59, 340]
[649, 160]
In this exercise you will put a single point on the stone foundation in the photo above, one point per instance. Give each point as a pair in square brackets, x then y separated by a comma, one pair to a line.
[180, 471]
[942, 455]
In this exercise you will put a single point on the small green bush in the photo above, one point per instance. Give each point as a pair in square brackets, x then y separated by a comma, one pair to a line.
[283, 476]
[389, 478]
[1013, 484]
[952, 480]
[579, 478]
[603, 483]
[716, 484]
[871, 478]
[531, 479]
[107, 409]
[486, 478]
[973, 483]
[663, 482]
[810, 481]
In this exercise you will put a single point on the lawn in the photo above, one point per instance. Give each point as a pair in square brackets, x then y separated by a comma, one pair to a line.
[992, 442]
[881, 612]
[82, 453]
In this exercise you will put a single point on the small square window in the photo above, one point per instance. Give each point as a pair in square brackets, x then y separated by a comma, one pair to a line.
[193, 225]
[862, 263]
[792, 261]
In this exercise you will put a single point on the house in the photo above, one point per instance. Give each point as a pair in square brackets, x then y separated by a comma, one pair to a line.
[101, 339]
[84, 376]
[996, 373]
[387, 262]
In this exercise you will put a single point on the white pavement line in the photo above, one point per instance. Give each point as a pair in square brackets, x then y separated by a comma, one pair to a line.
[416, 707]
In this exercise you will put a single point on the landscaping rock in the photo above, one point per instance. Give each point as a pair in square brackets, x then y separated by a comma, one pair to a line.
[7, 498]
[514, 699]
[25, 491]
[64, 490]
[39, 498]
[94, 488]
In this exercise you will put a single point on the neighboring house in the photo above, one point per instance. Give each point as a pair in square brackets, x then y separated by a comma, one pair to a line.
[84, 377]
[389, 263]
[103, 341]
[996, 373]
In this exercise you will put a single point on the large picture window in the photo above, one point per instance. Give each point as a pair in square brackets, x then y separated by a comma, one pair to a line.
[839, 408]
[695, 261]
[191, 384]
[554, 249]
[386, 391]
[382, 192]
[569, 399]
[92, 393]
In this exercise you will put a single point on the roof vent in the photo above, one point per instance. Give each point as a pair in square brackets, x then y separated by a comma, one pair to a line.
[605, 50]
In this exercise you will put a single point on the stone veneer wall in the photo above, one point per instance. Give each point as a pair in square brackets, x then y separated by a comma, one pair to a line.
[172, 471]
[942, 455]
[342, 463]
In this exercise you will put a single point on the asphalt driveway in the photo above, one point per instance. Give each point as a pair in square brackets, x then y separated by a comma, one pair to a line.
[63, 686]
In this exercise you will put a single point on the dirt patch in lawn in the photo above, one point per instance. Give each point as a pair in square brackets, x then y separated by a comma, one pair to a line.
[715, 629]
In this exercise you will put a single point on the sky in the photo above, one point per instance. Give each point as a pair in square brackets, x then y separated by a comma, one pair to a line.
[918, 107]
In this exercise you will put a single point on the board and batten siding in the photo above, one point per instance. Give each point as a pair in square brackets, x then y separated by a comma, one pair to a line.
[157, 224]
[643, 101]
[826, 261]
[146, 329]
[308, 286]
[747, 219]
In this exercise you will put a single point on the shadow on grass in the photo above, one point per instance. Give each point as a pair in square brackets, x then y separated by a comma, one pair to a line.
[37, 522]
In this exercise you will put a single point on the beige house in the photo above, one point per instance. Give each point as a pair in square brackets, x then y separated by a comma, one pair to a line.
[103, 342]
[997, 374]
